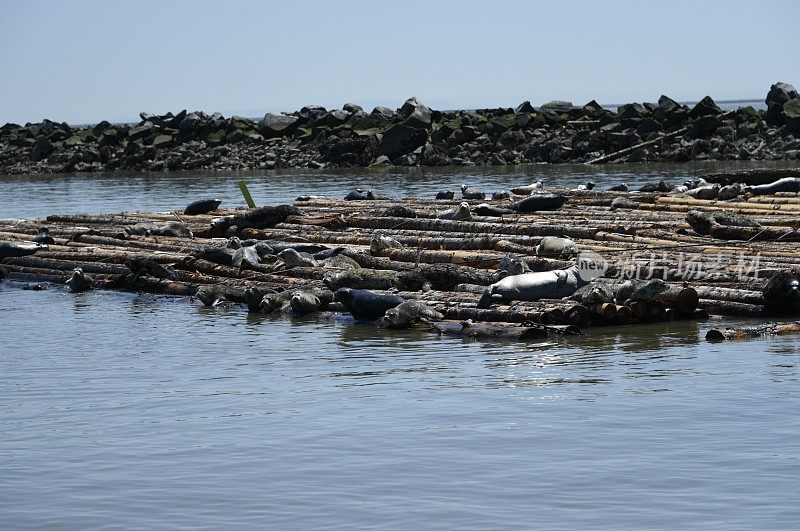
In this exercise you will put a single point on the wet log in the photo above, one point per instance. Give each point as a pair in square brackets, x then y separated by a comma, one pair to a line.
[752, 177]
[504, 331]
[683, 299]
[768, 329]
[732, 309]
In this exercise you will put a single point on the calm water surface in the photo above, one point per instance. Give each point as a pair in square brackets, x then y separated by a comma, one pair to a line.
[135, 411]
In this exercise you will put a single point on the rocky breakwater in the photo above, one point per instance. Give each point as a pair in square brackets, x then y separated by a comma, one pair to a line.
[414, 134]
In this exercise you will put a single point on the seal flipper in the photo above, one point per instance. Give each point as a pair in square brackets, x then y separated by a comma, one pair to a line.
[486, 299]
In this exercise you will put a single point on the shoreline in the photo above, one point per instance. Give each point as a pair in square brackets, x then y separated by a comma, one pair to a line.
[413, 135]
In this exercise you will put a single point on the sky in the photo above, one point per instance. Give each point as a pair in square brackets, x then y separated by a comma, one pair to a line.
[82, 61]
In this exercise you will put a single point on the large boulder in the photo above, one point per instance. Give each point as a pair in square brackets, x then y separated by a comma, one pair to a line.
[705, 107]
[790, 115]
[141, 131]
[632, 110]
[557, 106]
[525, 106]
[401, 139]
[411, 106]
[275, 125]
[40, 149]
[780, 93]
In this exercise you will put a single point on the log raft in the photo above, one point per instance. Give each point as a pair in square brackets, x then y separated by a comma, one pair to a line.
[722, 272]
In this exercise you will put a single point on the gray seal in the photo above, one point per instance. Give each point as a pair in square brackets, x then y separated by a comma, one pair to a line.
[460, 213]
[359, 194]
[621, 187]
[471, 193]
[380, 243]
[79, 281]
[43, 237]
[203, 206]
[487, 210]
[706, 192]
[528, 189]
[408, 314]
[533, 286]
[537, 202]
[445, 194]
[292, 258]
[787, 184]
[398, 211]
[782, 293]
[730, 191]
[15, 249]
[555, 247]
[502, 194]
[366, 305]
[304, 302]
[701, 222]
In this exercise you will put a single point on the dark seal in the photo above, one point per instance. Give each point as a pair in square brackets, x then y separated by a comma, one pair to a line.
[366, 305]
[203, 206]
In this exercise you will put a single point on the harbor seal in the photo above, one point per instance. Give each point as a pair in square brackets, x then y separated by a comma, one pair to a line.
[537, 202]
[219, 254]
[79, 281]
[585, 187]
[292, 258]
[471, 193]
[408, 314]
[513, 266]
[528, 189]
[43, 237]
[15, 249]
[555, 247]
[366, 305]
[304, 302]
[380, 243]
[701, 222]
[411, 280]
[593, 294]
[246, 258]
[706, 192]
[782, 293]
[359, 194]
[485, 209]
[174, 229]
[502, 194]
[621, 187]
[624, 202]
[398, 211]
[256, 218]
[730, 191]
[151, 268]
[203, 206]
[461, 213]
[340, 261]
[787, 184]
[445, 194]
[533, 286]
[660, 186]
[253, 295]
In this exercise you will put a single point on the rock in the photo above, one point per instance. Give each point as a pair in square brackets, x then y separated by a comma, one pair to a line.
[411, 105]
[336, 118]
[276, 125]
[352, 108]
[385, 112]
[142, 131]
[790, 115]
[525, 106]
[41, 149]
[401, 139]
[632, 110]
[780, 93]
[557, 106]
[705, 107]
[705, 125]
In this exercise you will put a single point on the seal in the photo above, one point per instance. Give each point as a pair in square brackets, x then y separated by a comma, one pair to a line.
[660, 186]
[203, 206]
[411, 280]
[533, 286]
[213, 295]
[782, 293]
[79, 281]
[359, 194]
[528, 189]
[408, 314]
[340, 261]
[621, 187]
[253, 295]
[513, 266]
[380, 243]
[537, 202]
[585, 187]
[304, 302]
[730, 191]
[366, 305]
[43, 237]
[145, 266]
[13, 249]
[593, 294]
[246, 258]
[701, 222]
[471, 193]
[398, 211]
[461, 213]
[787, 184]
[292, 259]
[174, 229]
[487, 210]
[707, 192]
[502, 194]
[445, 194]
[256, 218]
[219, 254]
[624, 202]
[555, 247]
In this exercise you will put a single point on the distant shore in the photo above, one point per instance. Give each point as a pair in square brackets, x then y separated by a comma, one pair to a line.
[414, 135]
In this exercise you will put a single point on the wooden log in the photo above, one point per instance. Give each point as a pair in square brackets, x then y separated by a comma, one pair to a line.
[751, 177]
[683, 299]
[502, 331]
[729, 334]
[732, 309]
[656, 312]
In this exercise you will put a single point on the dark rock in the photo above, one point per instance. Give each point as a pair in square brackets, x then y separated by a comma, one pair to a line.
[705, 125]
[632, 110]
[401, 139]
[790, 115]
[705, 107]
[411, 105]
[352, 108]
[780, 93]
[141, 131]
[336, 118]
[276, 125]
[525, 106]
[386, 112]
[41, 149]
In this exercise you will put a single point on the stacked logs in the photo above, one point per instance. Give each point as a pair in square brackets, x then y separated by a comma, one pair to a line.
[723, 272]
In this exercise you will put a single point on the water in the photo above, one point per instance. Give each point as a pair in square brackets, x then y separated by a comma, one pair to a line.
[136, 411]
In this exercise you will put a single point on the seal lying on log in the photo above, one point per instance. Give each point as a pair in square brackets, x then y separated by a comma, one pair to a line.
[555, 247]
[513, 266]
[174, 229]
[462, 212]
[253, 296]
[539, 202]
[256, 218]
[485, 209]
[379, 243]
[533, 286]
[366, 305]
[375, 279]
[151, 268]
[787, 184]
[246, 258]
[213, 295]
[502, 194]
[445, 194]
[625, 203]
[528, 189]
[292, 258]
[14, 249]
[660, 186]
[79, 281]
[593, 294]
[398, 211]
[702, 222]
[708, 192]
[203, 206]
[621, 187]
[471, 193]
[359, 194]
[43, 237]
[730, 191]
[408, 314]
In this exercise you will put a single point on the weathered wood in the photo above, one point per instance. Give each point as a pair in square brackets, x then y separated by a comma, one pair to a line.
[767, 329]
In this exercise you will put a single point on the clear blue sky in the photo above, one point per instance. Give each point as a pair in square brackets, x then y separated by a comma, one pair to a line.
[86, 60]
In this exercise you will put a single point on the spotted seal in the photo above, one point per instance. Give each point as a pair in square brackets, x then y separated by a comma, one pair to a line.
[203, 206]
[487, 210]
[408, 314]
[445, 194]
[460, 213]
[528, 189]
[621, 187]
[538, 202]
[471, 193]
[782, 293]
[502, 194]
[533, 286]
[292, 259]
[359, 194]
[398, 211]
[380, 243]
[15, 249]
[366, 305]
[79, 281]
[555, 247]
[701, 222]
[787, 184]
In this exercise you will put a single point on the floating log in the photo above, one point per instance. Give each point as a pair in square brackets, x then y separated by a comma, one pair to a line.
[505, 331]
[723, 334]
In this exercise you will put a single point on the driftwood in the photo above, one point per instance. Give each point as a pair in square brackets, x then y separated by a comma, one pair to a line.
[767, 329]
[627, 151]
